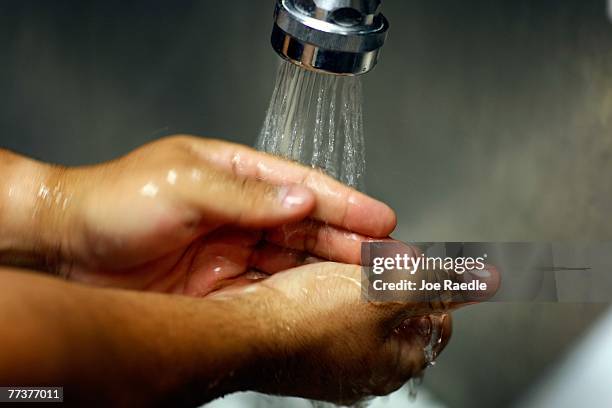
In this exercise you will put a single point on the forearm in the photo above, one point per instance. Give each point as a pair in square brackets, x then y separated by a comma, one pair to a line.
[30, 193]
[113, 347]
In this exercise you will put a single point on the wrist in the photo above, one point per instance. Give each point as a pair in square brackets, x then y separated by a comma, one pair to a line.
[219, 347]
[244, 346]
[32, 200]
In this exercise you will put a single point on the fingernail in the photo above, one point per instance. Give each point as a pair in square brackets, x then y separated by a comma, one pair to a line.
[481, 273]
[293, 196]
[487, 282]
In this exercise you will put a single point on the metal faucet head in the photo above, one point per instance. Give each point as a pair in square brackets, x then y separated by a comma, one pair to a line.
[342, 37]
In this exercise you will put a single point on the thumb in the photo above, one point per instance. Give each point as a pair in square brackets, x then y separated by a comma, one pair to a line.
[427, 289]
[248, 202]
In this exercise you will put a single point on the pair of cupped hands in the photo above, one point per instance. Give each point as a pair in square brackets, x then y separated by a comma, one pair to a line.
[206, 218]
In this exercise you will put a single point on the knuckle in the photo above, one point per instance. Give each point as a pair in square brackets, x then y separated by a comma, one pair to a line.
[180, 139]
[256, 193]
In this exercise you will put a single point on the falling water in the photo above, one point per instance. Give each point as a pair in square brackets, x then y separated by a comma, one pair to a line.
[317, 120]
[429, 353]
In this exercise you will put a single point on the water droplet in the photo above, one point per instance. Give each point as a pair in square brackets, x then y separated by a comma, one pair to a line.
[149, 190]
[171, 177]
[43, 191]
[196, 174]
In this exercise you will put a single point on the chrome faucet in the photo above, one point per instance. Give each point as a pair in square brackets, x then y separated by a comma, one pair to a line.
[342, 37]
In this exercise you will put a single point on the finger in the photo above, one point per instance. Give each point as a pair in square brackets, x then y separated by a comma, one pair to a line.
[400, 305]
[322, 240]
[490, 275]
[447, 290]
[414, 346]
[270, 258]
[458, 289]
[246, 202]
[421, 340]
[220, 257]
[337, 204]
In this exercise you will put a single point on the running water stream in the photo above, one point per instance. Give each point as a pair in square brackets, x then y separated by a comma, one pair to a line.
[317, 119]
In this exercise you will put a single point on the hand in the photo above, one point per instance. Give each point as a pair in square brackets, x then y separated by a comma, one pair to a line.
[184, 215]
[325, 342]
[304, 332]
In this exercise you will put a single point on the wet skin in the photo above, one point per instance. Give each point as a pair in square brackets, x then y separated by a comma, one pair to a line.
[184, 214]
[238, 229]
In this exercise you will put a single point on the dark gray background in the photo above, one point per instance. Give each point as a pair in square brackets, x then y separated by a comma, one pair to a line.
[486, 120]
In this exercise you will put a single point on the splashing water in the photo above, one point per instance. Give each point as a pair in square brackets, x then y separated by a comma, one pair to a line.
[317, 120]
[429, 353]
[434, 340]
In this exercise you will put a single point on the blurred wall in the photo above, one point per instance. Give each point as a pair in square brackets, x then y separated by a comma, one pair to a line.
[486, 120]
